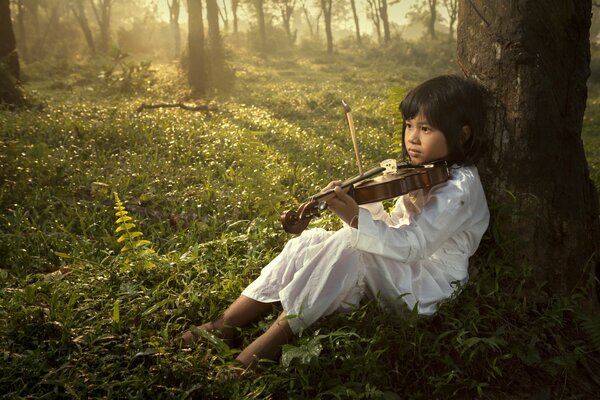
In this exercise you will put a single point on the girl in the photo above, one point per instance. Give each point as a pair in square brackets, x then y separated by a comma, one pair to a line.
[412, 256]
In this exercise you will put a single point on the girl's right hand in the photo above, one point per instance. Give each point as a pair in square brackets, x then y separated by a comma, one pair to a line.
[342, 204]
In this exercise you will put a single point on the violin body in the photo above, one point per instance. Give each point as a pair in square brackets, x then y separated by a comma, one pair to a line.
[369, 188]
[388, 186]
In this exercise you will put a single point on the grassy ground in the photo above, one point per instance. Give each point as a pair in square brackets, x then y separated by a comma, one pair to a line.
[80, 318]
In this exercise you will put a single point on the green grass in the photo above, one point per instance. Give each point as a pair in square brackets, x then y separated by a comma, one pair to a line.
[206, 190]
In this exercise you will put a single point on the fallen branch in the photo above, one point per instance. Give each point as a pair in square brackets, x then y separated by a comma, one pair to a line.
[200, 107]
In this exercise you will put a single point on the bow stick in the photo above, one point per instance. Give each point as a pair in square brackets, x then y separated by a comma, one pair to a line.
[348, 112]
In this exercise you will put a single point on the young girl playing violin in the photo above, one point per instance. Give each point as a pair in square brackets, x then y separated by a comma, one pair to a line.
[412, 256]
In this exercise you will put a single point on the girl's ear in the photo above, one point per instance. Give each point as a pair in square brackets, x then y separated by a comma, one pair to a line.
[466, 134]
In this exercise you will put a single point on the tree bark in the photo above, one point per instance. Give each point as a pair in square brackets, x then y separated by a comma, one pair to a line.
[197, 68]
[534, 59]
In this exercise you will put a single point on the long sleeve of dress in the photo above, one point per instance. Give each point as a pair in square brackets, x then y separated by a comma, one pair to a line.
[453, 209]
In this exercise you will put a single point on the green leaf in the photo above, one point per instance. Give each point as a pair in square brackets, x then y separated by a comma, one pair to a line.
[116, 317]
[124, 218]
[124, 227]
[63, 255]
[305, 354]
[129, 235]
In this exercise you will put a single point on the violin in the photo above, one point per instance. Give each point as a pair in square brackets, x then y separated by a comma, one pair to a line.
[396, 180]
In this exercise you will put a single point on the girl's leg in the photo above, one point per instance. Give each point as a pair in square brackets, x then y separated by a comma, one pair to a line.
[241, 312]
[268, 345]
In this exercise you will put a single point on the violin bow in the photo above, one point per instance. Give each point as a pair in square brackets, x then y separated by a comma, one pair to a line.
[348, 112]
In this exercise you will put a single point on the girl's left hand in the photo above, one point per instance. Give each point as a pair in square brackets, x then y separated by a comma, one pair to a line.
[343, 205]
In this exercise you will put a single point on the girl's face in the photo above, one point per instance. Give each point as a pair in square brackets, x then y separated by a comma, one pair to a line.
[422, 142]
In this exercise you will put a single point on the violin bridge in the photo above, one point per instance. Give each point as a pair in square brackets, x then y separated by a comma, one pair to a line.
[390, 165]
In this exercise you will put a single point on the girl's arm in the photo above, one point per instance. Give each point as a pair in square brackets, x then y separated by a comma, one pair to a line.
[452, 208]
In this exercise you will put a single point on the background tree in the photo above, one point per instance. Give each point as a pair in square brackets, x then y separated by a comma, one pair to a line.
[9, 59]
[77, 7]
[313, 27]
[534, 59]
[452, 9]
[326, 10]
[235, 4]
[259, 7]
[356, 22]
[217, 61]
[432, 17]
[102, 11]
[197, 65]
[22, 32]
[8, 43]
[174, 11]
[385, 22]
[286, 10]
[373, 14]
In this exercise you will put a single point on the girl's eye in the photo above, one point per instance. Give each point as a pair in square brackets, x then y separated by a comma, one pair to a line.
[425, 129]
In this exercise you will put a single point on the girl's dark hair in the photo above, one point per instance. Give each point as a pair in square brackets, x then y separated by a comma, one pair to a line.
[450, 102]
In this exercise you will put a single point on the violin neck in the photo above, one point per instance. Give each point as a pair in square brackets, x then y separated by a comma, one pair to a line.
[327, 194]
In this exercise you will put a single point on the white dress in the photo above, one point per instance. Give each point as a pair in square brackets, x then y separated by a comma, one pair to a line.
[415, 253]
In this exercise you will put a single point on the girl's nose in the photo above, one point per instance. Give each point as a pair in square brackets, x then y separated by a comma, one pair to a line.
[411, 136]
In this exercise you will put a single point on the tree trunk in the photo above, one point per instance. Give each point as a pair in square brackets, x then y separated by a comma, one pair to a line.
[452, 8]
[197, 68]
[23, 49]
[174, 8]
[102, 12]
[234, 9]
[286, 8]
[79, 12]
[214, 42]
[355, 15]
[373, 12]
[262, 28]
[432, 17]
[8, 43]
[534, 58]
[326, 7]
[384, 21]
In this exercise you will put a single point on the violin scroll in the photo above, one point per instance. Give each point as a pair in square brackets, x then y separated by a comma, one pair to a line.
[296, 221]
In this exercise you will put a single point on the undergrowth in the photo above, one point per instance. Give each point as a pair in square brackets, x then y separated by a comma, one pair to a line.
[95, 286]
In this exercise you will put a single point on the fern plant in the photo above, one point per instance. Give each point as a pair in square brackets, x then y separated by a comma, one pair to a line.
[138, 253]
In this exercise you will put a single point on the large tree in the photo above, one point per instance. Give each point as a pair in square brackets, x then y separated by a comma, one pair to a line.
[533, 56]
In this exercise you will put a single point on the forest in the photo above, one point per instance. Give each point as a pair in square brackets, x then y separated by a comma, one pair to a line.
[149, 147]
